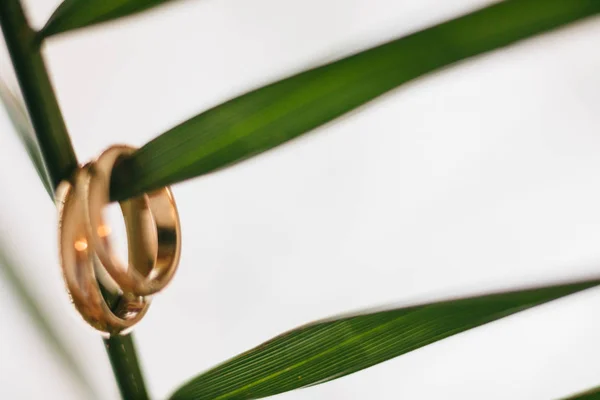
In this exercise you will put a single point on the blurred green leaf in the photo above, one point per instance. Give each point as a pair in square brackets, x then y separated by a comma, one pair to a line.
[332, 348]
[18, 116]
[272, 115]
[23, 45]
[52, 338]
[587, 395]
[73, 14]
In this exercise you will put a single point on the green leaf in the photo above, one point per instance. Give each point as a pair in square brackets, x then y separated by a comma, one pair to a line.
[332, 348]
[18, 116]
[272, 115]
[73, 14]
[587, 395]
[52, 338]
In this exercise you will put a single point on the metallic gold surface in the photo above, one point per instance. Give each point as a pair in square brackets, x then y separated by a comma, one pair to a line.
[77, 259]
[90, 267]
[153, 230]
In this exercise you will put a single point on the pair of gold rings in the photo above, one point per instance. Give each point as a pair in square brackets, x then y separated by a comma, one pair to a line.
[88, 262]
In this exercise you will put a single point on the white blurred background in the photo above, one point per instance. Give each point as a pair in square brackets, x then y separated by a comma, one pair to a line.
[481, 177]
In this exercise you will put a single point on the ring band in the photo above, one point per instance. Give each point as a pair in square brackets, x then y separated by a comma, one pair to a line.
[77, 261]
[153, 230]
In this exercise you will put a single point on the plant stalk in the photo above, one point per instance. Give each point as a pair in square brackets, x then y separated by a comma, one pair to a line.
[41, 102]
[126, 367]
[59, 157]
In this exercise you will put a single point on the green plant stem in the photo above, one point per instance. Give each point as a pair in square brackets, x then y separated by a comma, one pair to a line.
[126, 367]
[58, 155]
[41, 102]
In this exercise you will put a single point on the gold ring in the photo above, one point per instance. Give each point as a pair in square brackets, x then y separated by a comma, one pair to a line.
[153, 230]
[77, 260]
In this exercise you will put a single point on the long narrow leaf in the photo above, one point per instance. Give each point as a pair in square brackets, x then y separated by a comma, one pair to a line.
[18, 116]
[49, 334]
[272, 115]
[587, 395]
[73, 14]
[329, 349]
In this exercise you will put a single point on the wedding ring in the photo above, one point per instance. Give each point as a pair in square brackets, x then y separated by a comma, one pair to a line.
[152, 224]
[77, 257]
